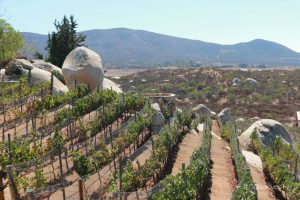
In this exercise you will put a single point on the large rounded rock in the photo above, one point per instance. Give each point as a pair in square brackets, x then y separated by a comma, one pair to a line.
[225, 115]
[157, 122]
[39, 75]
[267, 130]
[255, 118]
[17, 67]
[84, 66]
[236, 81]
[251, 81]
[2, 72]
[240, 119]
[108, 84]
[203, 110]
[41, 64]
[156, 107]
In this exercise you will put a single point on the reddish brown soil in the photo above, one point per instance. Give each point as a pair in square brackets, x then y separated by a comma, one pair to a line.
[188, 145]
[222, 172]
[263, 190]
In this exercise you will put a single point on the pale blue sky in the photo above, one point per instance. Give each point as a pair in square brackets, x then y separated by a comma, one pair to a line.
[220, 21]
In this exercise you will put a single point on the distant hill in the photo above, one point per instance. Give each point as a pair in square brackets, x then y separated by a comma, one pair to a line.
[122, 47]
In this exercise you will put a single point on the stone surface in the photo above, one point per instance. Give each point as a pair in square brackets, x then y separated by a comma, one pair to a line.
[108, 84]
[17, 67]
[240, 120]
[236, 81]
[255, 118]
[203, 110]
[2, 72]
[225, 115]
[252, 159]
[157, 122]
[251, 81]
[39, 75]
[156, 107]
[267, 130]
[84, 66]
[41, 64]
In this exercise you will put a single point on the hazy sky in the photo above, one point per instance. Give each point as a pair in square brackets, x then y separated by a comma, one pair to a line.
[220, 21]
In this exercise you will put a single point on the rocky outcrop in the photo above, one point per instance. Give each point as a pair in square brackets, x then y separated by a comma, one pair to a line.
[41, 64]
[108, 84]
[267, 130]
[252, 159]
[240, 120]
[251, 81]
[83, 66]
[203, 110]
[156, 107]
[158, 120]
[255, 118]
[39, 75]
[236, 81]
[17, 67]
[225, 115]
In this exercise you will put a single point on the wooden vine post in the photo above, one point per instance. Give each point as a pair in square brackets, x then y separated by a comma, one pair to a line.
[30, 194]
[66, 159]
[3, 131]
[4, 120]
[61, 171]
[29, 77]
[80, 187]
[112, 147]
[9, 147]
[120, 168]
[12, 186]
[1, 188]
[27, 121]
[152, 143]
[51, 84]
[296, 167]
[183, 172]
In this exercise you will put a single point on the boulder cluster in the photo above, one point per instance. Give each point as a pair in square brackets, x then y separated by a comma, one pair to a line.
[81, 66]
[267, 131]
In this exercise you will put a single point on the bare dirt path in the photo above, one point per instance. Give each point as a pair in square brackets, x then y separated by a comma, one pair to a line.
[188, 145]
[222, 171]
[263, 190]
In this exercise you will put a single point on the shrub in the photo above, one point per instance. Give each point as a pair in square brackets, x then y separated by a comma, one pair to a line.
[59, 76]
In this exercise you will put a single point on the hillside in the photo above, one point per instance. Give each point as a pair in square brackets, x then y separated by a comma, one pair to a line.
[122, 47]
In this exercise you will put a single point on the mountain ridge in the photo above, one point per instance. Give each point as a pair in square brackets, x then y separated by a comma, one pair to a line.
[122, 47]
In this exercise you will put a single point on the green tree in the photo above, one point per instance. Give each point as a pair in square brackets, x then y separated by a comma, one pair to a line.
[64, 40]
[38, 55]
[10, 42]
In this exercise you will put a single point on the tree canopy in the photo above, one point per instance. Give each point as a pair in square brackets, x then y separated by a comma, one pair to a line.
[62, 41]
[10, 42]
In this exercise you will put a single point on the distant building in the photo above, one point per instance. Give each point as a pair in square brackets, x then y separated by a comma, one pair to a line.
[298, 118]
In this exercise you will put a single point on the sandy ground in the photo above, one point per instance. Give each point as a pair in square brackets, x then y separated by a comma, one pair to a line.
[222, 172]
[188, 145]
[144, 153]
[190, 142]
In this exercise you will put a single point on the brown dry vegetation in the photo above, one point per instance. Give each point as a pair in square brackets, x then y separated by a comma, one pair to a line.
[276, 96]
